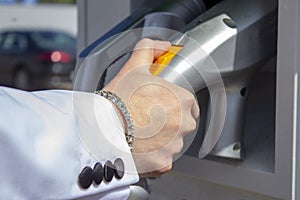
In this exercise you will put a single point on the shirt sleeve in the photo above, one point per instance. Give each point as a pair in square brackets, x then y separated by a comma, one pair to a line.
[48, 137]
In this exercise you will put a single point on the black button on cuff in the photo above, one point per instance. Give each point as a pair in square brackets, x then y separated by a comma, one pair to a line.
[98, 173]
[108, 171]
[119, 168]
[86, 177]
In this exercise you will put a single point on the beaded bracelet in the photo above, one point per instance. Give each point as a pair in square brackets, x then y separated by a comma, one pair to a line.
[129, 126]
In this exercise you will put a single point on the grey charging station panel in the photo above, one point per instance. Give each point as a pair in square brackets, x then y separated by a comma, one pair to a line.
[271, 168]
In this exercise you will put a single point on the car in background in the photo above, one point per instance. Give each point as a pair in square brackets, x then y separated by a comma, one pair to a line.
[36, 59]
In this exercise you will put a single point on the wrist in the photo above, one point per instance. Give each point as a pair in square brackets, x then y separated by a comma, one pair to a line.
[123, 114]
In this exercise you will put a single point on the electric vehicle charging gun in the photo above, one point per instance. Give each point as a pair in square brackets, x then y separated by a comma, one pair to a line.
[222, 53]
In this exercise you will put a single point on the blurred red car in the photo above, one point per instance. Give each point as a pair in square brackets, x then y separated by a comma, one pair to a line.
[36, 59]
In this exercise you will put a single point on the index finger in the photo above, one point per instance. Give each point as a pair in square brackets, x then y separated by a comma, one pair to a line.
[146, 51]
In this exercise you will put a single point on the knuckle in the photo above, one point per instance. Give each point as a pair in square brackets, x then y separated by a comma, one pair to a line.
[189, 98]
[179, 146]
[189, 95]
[144, 42]
[193, 125]
[196, 110]
[190, 125]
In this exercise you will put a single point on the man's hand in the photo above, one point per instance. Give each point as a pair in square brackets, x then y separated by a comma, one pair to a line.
[163, 113]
